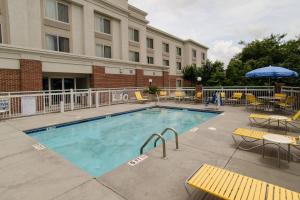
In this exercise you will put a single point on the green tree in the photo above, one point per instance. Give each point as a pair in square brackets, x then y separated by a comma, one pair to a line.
[272, 50]
[212, 73]
[190, 73]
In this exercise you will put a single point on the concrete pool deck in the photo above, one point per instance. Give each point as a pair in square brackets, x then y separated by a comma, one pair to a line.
[30, 174]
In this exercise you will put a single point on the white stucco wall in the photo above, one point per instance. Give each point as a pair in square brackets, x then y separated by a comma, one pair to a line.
[77, 29]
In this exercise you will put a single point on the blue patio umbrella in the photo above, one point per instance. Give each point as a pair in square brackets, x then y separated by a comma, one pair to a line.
[271, 72]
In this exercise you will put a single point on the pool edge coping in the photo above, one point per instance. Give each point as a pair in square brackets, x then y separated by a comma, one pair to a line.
[59, 125]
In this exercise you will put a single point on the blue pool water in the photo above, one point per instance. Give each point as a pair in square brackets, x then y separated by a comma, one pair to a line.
[98, 146]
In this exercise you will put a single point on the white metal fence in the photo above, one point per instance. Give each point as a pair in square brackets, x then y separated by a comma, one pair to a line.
[237, 94]
[18, 104]
[33, 103]
[293, 92]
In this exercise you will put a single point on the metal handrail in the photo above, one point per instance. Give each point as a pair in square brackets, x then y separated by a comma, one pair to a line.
[158, 137]
[175, 133]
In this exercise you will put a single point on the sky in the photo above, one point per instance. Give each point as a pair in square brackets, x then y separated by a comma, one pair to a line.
[222, 24]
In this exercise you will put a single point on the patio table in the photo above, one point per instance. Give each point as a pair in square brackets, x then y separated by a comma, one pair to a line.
[277, 140]
[280, 119]
[269, 100]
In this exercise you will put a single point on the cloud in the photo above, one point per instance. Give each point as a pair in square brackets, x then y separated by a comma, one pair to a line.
[222, 24]
[223, 50]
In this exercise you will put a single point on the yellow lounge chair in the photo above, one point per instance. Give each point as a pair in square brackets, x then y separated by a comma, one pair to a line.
[223, 96]
[198, 97]
[267, 118]
[229, 185]
[139, 97]
[179, 95]
[252, 101]
[289, 103]
[256, 135]
[280, 96]
[163, 94]
[236, 97]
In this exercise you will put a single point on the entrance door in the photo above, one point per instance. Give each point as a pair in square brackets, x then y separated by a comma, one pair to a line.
[69, 83]
[56, 84]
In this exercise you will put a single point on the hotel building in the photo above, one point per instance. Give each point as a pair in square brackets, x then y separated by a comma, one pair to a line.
[64, 44]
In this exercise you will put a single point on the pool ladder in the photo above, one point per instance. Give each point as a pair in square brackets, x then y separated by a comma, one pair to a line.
[160, 137]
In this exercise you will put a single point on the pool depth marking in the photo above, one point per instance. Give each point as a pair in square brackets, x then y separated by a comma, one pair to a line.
[137, 160]
[38, 147]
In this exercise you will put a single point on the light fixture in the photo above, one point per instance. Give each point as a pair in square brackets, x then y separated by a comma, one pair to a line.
[199, 78]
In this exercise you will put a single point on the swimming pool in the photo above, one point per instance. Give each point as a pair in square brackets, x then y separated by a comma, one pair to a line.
[102, 144]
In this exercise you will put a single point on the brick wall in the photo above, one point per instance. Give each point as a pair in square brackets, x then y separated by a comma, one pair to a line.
[139, 73]
[31, 77]
[97, 77]
[156, 81]
[101, 80]
[9, 80]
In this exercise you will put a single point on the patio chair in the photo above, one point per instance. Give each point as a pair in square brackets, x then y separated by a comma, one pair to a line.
[223, 96]
[236, 98]
[280, 96]
[179, 95]
[288, 103]
[226, 184]
[267, 119]
[198, 97]
[163, 94]
[140, 98]
[252, 101]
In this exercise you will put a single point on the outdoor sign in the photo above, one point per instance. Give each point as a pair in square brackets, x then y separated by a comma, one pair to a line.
[117, 96]
[4, 104]
[28, 105]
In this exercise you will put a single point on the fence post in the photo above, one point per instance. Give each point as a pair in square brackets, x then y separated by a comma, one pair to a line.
[246, 92]
[90, 98]
[44, 102]
[9, 105]
[109, 93]
[97, 99]
[72, 99]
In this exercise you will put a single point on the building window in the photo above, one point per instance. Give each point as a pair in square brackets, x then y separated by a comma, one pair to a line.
[103, 51]
[134, 56]
[178, 83]
[1, 34]
[194, 53]
[57, 10]
[134, 35]
[149, 43]
[102, 24]
[166, 63]
[57, 43]
[203, 56]
[178, 51]
[150, 60]
[165, 47]
[178, 65]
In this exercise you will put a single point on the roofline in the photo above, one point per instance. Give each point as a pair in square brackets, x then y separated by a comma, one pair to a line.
[196, 43]
[175, 37]
[135, 9]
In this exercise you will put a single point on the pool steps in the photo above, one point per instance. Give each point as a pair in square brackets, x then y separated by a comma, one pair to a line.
[160, 137]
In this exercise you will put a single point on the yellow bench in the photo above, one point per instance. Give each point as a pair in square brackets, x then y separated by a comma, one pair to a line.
[226, 184]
